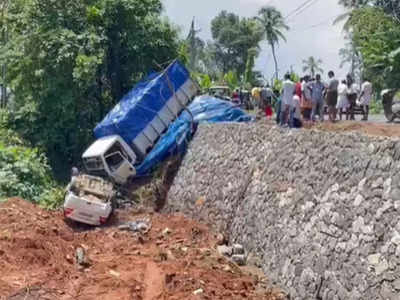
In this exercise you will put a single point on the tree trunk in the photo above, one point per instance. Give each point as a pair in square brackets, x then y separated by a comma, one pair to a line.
[276, 62]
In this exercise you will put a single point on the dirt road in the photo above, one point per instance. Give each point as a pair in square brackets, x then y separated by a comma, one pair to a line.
[37, 260]
[370, 128]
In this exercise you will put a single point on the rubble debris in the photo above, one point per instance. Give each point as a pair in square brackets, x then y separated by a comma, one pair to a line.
[198, 292]
[81, 258]
[142, 226]
[221, 239]
[120, 267]
[166, 232]
[239, 259]
[225, 250]
[115, 273]
[238, 249]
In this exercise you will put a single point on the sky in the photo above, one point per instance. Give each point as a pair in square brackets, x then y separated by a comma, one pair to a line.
[312, 31]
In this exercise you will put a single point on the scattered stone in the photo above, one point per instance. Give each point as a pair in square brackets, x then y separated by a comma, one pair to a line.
[114, 273]
[142, 226]
[225, 250]
[198, 292]
[396, 284]
[381, 267]
[359, 200]
[221, 240]
[239, 259]
[81, 258]
[374, 259]
[227, 268]
[330, 207]
[166, 232]
[238, 249]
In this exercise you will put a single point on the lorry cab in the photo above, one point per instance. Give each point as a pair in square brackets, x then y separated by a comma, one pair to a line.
[110, 157]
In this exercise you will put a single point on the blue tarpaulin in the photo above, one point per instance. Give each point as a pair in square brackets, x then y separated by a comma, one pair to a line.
[140, 106]
[175, 141]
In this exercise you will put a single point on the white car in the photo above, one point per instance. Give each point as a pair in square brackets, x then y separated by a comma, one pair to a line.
[89, 200]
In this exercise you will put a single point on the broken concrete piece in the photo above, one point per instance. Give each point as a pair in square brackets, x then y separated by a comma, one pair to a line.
[142, 226]
[239, 259]
[166, 231]
[81, 259]
[238, 249]
[198, 292]
[225, 250]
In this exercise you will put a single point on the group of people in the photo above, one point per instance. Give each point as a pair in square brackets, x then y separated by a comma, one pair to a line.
[306, 101]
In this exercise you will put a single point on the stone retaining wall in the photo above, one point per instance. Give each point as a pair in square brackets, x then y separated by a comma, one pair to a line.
[320, 209]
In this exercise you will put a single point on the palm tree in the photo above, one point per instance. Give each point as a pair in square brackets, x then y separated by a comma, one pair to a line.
[312, 65]
[273, 24]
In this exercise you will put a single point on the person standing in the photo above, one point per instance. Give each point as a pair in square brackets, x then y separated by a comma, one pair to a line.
[306, 101]
[278, 106]
[296, 123]
[266, 96]
[365, 98]
[288, 90]
[236, 97]
[255, 95]
[343, 102]
[332, 96]
[317, 97]
[352, 92]
[298, 88]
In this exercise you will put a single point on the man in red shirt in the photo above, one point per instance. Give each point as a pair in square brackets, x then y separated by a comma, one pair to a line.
[298, 88]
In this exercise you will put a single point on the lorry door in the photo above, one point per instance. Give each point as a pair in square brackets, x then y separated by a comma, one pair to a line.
[119, 167]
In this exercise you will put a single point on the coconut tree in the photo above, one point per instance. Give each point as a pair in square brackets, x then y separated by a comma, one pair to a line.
[272, 24]
[312, 65]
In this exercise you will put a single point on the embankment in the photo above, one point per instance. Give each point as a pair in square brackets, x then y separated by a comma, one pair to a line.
[321, 209]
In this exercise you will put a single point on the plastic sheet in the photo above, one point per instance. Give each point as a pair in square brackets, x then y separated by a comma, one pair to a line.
[142, 104]
[204, 109]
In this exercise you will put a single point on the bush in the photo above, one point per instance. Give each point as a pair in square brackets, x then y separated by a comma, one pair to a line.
[24, 170]
[376, 107]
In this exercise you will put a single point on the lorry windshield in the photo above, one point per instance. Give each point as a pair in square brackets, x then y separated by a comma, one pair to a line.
[93, 163]
[114, 161]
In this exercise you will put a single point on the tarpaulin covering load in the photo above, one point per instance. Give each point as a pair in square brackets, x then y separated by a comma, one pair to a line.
[176, 139]
[140, 111]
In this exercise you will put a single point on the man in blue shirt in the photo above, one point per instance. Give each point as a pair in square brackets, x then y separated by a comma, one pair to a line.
[317, 96]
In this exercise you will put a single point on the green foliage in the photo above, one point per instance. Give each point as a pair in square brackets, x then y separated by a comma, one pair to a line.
[377, 36]
[376, 107]
[205, 82]
[69, 62]
[278, 85]
[233, 38]
[24, 171]
[273, 24]
[249, 75]
[312, 65]
[231, 80]
[294, 77]
[52, 198]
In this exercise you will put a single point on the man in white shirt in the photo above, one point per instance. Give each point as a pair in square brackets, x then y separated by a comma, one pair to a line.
[306, 98]
[365, 98]
[288, 90]
[296, 122]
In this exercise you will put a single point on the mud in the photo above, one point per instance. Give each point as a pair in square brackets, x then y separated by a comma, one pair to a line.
[374, 129]
[37, 260]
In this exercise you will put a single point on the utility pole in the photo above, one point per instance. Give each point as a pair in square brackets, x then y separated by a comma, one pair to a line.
[192, 42]
[3, 67]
